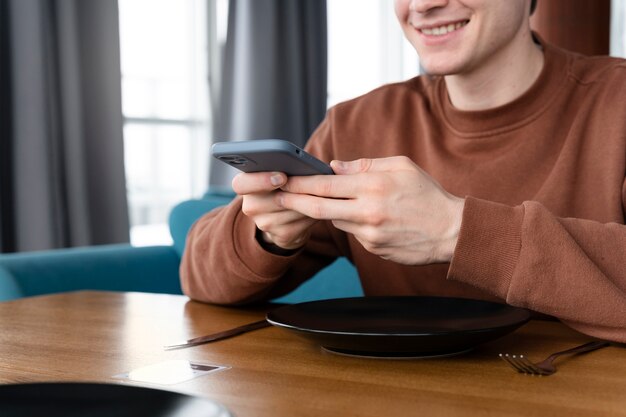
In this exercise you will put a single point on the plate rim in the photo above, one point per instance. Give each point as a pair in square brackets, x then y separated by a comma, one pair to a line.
[376, 334]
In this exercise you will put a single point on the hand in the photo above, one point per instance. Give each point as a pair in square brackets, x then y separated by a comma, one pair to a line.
[391, 206]
[282, 227]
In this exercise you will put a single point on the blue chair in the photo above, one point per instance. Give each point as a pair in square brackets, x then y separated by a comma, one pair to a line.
[146, 269]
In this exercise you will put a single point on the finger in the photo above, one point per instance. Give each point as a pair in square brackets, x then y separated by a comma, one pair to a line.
[329, 186]
[357, 166]
[365, 233]
[272, 222]
[292, 235]
[361, 233]
[346, 226]
[255, 204]
[257, 182]
[369, 237]
[321, 208]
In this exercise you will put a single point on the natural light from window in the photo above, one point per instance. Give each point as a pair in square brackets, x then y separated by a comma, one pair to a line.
[165, 63]
[366, 48]
[165, 105]
[618, 28]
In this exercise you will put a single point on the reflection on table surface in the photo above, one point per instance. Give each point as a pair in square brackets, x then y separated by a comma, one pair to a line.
[92, 336]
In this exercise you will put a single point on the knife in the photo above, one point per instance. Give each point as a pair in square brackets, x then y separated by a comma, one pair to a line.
[220, 335]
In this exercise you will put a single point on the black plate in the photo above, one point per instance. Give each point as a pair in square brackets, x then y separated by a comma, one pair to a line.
[399, 326]
[100, 400]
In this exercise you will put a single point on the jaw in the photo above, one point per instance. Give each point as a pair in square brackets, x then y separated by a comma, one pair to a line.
[494, 75]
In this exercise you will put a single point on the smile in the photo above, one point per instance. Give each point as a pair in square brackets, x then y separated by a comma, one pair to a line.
[443, 29]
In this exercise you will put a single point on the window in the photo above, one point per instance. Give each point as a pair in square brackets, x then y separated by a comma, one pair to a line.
[618, 28]
[366, 48]
[165, 94]
[167, 47]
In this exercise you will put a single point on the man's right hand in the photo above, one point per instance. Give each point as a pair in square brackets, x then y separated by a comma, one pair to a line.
[286, 229]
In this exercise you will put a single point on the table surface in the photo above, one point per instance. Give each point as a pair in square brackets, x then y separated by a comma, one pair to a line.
[92, 336]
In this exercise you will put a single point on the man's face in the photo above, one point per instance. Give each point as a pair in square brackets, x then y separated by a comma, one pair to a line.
[458, 36]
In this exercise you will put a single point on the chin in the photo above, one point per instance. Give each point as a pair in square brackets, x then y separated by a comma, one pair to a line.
[439, 69]
[440, 64]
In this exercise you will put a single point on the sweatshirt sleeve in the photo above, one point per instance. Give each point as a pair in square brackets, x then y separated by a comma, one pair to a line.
[572, 269]
[224, 264]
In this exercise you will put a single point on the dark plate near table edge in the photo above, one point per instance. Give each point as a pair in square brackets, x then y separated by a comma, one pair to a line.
[96, 399]
[401, 326]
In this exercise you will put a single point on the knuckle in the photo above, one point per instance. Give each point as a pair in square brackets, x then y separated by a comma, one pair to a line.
[247, 207]
[278, 237]
[283, 237]
[263, 224]
[404, 160]
[371, 235]
[251, 205]
[280, 199]
[377, 185]
[364, 164]
[374, 215]
[317, 211]
[326, 187]
[376, 219]
[368, 246]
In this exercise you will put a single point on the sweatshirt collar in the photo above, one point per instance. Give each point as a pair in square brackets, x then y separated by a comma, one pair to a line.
[512, 115]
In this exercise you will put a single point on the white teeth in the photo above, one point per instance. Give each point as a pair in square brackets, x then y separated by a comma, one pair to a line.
[442, 30]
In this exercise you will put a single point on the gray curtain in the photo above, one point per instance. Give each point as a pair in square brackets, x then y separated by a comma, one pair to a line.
[63, 141]
[7, 232]
[274, 81]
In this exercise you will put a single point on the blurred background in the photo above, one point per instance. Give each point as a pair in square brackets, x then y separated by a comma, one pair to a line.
[108, 108]
[167, 95]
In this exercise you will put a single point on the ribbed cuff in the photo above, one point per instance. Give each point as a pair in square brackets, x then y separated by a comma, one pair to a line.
[264, 265]
[488, 247]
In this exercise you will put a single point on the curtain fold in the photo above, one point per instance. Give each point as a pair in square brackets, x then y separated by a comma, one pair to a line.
[274, 78]
[7, 215]
[66, 182]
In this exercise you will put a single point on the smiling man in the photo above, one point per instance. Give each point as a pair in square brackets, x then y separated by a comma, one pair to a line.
[497, 176]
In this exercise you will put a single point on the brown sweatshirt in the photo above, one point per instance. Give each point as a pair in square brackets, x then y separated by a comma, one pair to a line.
[543, 224]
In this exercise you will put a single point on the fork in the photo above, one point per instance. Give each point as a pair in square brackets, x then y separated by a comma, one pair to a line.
[546, 367]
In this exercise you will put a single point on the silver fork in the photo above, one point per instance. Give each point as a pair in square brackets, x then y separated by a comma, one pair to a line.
[546, 367]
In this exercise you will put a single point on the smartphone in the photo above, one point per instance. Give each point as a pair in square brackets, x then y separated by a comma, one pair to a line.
[264, 155]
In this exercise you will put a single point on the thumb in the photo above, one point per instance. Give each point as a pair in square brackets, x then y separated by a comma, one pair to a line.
[351, 167]
[393, 163]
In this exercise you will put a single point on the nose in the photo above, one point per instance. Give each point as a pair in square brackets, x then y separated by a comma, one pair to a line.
[423, 6]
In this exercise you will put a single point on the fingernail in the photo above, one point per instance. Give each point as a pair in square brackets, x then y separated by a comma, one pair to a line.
[276, 179]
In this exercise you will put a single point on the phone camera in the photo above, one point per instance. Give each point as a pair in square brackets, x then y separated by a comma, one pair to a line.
[234, 159]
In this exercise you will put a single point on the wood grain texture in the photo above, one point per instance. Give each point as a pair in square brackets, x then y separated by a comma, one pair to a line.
[91, 336]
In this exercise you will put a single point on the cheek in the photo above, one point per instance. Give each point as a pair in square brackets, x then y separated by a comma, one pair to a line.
[401, 8]
[504, 21]
[500, 30]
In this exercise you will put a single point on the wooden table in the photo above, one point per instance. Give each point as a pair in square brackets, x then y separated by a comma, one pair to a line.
[91, 336]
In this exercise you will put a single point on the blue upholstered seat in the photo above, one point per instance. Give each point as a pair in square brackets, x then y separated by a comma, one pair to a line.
[147, 269]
